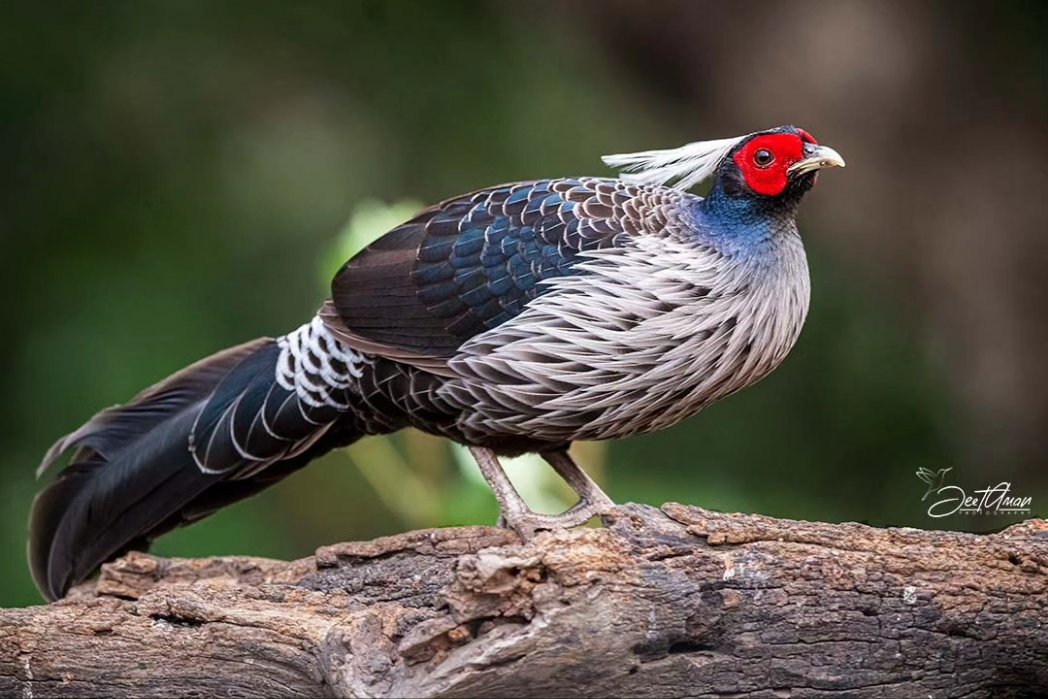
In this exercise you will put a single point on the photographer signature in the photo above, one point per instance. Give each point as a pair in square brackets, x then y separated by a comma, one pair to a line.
[992, 500]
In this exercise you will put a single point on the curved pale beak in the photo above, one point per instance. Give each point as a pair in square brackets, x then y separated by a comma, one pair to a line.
[817, 158]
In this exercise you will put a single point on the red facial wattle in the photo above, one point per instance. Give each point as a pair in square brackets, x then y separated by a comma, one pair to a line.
[770, 178]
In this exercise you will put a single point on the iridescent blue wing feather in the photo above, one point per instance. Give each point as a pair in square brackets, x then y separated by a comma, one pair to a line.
[472, 263]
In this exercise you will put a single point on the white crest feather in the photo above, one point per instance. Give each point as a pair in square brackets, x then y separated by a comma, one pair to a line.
[688, 165]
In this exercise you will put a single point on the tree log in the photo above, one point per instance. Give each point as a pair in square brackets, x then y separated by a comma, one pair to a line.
[676, 601]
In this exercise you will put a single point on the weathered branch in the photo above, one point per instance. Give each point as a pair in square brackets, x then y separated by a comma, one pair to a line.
[671, 602]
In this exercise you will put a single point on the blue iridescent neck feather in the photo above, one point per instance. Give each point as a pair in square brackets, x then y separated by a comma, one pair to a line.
[738, 223]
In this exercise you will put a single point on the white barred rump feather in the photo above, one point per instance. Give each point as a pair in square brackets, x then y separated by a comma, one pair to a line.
[689, 165]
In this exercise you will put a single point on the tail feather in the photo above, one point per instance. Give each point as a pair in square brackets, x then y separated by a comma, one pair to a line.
[118, 427]
[136, 472]
[251, 420]
[49, 511]
[113, 504]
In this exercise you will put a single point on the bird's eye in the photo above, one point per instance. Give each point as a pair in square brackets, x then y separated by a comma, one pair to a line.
[763, 157]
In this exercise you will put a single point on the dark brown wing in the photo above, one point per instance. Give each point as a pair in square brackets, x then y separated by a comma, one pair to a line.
[470, 264]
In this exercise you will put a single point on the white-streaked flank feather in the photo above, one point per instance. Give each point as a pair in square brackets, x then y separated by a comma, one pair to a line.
[688, 165]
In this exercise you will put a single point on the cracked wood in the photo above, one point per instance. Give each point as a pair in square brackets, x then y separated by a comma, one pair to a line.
[676, 601]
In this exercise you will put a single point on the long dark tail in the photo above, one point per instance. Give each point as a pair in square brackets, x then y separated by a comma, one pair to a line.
[212, 434]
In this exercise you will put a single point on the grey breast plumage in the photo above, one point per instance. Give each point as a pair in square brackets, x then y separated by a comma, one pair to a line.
[651, 333]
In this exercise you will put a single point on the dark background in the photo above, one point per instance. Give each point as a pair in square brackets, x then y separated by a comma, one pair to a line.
[178, 176]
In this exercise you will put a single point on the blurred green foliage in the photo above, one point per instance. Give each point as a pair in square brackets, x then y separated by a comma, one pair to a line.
[177, 174]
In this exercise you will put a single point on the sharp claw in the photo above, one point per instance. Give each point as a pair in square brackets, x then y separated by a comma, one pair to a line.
[528, 525]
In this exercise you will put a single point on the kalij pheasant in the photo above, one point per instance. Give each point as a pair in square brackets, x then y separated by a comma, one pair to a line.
[515, 319]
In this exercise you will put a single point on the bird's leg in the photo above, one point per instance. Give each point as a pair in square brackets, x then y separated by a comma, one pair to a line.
[591, 497]
[515, 512]
[511, 506]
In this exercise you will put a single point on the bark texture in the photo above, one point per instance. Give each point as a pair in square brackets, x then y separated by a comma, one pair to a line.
[676, 601]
